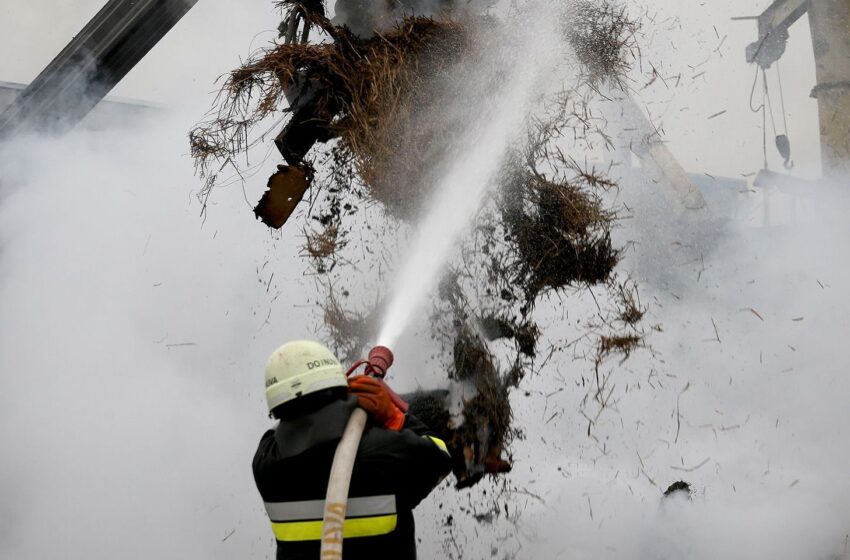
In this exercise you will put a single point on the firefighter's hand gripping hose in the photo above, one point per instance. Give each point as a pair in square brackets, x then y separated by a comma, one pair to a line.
[373, 396]
[388, 409]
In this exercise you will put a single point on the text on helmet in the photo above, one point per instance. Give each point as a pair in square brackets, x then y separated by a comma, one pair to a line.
[321, 363]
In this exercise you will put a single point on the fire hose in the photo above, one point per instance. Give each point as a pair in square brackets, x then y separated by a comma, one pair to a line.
[336, 500]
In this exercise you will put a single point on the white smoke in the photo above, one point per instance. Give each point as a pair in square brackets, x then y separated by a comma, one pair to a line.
[752, 414]
[131, 341]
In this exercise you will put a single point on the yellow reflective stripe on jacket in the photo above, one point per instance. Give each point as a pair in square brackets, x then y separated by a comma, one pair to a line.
[353, 528]
[439, 443]
[366, 516]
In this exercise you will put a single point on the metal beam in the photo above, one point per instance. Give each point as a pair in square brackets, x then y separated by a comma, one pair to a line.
[95, 60]
[773, 30]
[829, 21]
[782, 14]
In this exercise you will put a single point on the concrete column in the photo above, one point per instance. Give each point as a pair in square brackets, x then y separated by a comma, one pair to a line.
[830, 25]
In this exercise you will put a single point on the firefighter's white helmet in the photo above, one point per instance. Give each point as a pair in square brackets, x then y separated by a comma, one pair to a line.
[299, 368]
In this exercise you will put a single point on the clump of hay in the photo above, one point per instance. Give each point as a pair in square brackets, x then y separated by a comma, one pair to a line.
[555, 223]
[559, 232]
[365, 92]
[604, 39]
[348, 329]
[618, 344]
[370, 93]
[323, 246]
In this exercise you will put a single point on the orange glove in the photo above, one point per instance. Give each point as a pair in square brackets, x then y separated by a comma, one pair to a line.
[373, 396]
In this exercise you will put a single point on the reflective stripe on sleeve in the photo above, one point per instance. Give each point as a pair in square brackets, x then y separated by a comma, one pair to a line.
[439, 443]
[353, 528]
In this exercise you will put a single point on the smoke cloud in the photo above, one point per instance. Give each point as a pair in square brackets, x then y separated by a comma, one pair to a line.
[127, 351]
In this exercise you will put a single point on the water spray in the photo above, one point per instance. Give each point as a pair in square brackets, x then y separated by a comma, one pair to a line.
[458, 199]
[462, 190]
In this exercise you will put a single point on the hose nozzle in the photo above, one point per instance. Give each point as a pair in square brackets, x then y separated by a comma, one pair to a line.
[380, 359]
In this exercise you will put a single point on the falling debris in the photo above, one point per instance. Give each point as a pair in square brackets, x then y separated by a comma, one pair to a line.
[286, 188]
[604, 38]
[366, 93]
[678, 486]
[365, 125]
[754, 312]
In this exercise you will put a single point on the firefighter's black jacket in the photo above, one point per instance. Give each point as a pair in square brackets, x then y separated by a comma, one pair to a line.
[292, 466]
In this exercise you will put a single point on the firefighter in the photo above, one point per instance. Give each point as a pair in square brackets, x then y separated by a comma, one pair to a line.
[398, 463]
